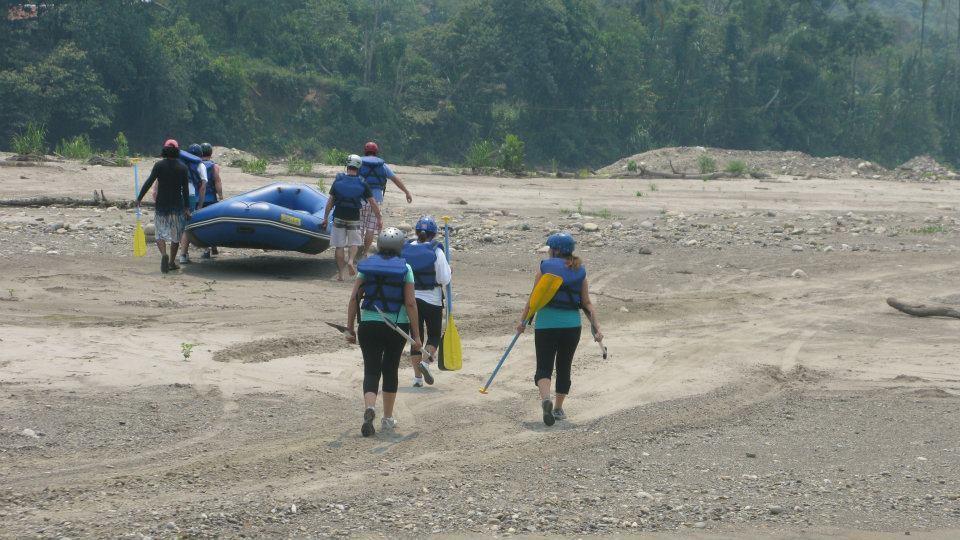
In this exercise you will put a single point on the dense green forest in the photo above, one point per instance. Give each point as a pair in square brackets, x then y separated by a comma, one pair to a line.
[580, 82]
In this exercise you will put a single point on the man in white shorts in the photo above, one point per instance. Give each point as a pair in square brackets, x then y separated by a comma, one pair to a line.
[347, 196]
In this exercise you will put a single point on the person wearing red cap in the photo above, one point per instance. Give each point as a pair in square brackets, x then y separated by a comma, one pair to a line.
[172, 204]
[376, 172]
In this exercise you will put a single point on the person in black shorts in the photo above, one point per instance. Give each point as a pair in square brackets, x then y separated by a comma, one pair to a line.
[431, 273]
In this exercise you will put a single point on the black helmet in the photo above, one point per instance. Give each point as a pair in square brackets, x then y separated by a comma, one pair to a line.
[206, 149]
[194, 149]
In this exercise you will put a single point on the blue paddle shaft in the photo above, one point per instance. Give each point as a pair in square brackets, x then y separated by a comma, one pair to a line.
[446, 249]
[500, 363]
[136, 186]
[504, 357]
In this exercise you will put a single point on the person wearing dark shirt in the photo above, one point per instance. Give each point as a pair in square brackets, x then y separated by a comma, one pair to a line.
[172, 202]
[348, 194]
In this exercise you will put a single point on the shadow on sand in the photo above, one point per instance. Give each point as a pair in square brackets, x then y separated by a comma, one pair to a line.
[271, 266]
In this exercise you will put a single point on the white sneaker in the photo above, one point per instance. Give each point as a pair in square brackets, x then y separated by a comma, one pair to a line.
[559, 414]
[183, 259]
[388, 423]
[417, 383]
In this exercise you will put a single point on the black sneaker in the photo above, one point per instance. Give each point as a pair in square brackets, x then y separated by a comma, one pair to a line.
[165, 264]
[425, 370]
[548, 417]
[367, 428]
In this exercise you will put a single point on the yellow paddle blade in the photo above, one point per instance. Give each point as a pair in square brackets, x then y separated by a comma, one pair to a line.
[543, 292]
[139, 241]
[452, 351]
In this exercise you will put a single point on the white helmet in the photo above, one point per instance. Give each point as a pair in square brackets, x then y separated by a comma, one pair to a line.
[354, 161]
[390, 241]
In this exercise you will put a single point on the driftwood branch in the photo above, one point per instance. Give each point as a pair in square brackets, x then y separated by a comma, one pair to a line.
[923, 310]
[647, 173]
[98, 201]
[29, 164]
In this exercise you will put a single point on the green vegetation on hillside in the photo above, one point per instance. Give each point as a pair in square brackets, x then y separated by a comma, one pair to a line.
[577, 82]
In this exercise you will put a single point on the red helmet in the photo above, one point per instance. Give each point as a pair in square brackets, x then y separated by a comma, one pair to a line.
[171, 143]
[371, 148]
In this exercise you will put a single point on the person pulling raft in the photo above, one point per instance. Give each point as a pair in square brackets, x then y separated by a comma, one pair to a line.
[198, 183]
[558, 324]
[213, 193]
[375, 173]
[385, 283]
[431, 273]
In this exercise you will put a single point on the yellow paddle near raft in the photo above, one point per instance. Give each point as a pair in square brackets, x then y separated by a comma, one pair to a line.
[139, 238]
[451, 352]
[543, 292]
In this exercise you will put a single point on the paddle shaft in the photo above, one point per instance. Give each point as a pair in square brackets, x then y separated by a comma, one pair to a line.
[446, 251]
[503, 358]
[136, 186]
[593, 331]
[400, 331]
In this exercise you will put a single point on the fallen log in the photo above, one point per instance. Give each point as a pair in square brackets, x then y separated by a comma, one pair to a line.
[29, 164]
[33, 158]
[923, 310]
[97, 202]
[647, 173]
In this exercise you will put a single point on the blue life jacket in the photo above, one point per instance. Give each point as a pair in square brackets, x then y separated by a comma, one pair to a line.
[568, 297]
[422, 259]
[211, 195]
[347, 191]
[372, 172]
[383, 280]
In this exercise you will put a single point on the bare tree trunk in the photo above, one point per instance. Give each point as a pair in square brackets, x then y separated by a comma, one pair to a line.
[923, 24]
[369, 40]
[922, 310]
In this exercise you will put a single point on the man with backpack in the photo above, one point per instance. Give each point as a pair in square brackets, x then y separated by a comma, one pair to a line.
[348, 194]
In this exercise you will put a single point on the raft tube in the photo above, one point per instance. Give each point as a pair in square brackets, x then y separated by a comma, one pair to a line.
[281, 217]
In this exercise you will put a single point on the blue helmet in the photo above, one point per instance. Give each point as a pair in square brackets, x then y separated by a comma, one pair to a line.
[195, 149]
[562, 242]
[426, 224]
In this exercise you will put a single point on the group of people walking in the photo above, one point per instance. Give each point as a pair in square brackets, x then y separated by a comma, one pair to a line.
[397, 296]
[185, 182]
[398, 292]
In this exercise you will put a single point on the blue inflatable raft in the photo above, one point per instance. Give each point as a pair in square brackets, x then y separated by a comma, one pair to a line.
[282, 217]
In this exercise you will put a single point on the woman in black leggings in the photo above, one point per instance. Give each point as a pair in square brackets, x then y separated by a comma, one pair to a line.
[558, 324]
[384, 281]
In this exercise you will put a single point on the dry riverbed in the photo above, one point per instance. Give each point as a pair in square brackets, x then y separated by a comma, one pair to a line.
[757, 385]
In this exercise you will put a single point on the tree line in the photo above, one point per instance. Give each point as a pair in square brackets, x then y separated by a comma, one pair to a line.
[579, 82]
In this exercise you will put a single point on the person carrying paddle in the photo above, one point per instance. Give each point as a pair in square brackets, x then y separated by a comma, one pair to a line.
[376, 172]
[214, 190]
[385, 283]
[558, 324]
[431, 273]
[172, 201]
[348, 194]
